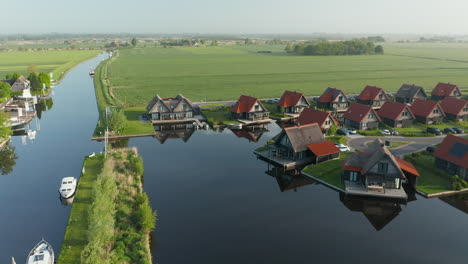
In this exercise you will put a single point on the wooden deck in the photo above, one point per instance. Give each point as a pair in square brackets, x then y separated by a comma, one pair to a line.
[177, 121]
[352, 188]
[283, 162]
[254, 122]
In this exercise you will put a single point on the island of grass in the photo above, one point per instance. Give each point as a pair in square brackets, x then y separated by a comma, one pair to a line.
[111, 217]
[328, 173]
[218, 116]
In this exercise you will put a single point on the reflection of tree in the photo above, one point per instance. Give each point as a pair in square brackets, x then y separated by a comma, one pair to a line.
[42, 106]
[7, 160]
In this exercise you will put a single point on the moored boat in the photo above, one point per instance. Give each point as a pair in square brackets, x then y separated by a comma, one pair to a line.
[91, 73]
[42, 253]
[68, 187]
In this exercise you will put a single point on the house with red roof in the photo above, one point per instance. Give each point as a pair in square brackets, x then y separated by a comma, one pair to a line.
[372, 96]
[251, 133]
[249, 108]
[427, 112]
[178, 108]
[452, 156]
[333, 100]
[443, 90]
[396, 114]
[361, 117]
[310, 116]
[292, 103]
[455, 109]
[378, 172]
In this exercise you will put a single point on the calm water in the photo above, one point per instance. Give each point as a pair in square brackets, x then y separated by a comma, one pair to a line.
[216, 202]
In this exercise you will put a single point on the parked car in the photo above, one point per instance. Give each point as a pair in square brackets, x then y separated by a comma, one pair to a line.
[434, 130]
[458, 130]
[394, 132]
[449, 130]
[431, 149]
[342, 148]
[276, 100]
[352, 131]
[385, 132]
[342, 131]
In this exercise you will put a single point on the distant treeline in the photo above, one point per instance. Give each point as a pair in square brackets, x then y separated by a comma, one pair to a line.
[350, 47]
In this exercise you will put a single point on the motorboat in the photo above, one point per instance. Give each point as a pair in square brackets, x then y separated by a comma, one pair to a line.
[91, 73]
[42, 253]
[68, 187]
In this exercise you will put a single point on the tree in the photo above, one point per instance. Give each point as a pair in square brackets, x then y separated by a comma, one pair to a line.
[7, 160]
[289, 48]
[332, 130]
[13, 76]
[35, 84]
[134, 42]
[5, 130]
[5, 90]
[32, 69]
[379, 49]
[116, 121]
[44, 78]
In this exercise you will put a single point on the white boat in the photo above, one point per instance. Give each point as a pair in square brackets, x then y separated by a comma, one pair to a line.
[42, 253]
[68, 187]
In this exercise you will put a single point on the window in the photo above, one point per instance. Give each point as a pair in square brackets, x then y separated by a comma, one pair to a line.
[405, 113]
[364, 124]
[465, 109]
[435, 111]
[340, 99]
[383, 167]
[353, 176]
[370, 116]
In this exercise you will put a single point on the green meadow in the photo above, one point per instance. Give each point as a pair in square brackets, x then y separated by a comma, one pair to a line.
[58, 62]
[225, 72]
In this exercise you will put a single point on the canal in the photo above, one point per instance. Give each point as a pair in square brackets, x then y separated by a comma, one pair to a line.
[216, 202]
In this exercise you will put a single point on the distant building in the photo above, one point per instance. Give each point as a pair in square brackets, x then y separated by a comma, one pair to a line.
[452, 156]
[333, 100]
[178, 108]
[455, 109]
[396, 114]
[443, 90]
[293, 102]
[427, 112]
[409, 92]
[361, 117]
[372, 96]
[249, 108]
[324, 119]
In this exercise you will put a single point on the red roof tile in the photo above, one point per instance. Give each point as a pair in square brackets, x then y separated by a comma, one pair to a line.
[244, 104]
[352, 168]
[392, 110]
[290, 99]
[423, 107]
[323, 148]
[444, 89]
[453, 149]
[357, 112]
[405, 166]
[453, 106]
[310, 116]
[329, 95]
[370, 93]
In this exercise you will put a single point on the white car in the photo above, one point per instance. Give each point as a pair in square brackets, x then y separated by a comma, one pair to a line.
[342, 148]
[385, 132]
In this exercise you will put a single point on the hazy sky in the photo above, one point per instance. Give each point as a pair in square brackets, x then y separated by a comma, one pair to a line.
[235, 16]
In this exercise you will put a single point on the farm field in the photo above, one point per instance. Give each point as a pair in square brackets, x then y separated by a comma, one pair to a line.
[57, 62]
[225, 72]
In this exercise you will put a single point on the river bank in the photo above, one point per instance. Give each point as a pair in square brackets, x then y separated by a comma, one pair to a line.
[111, 217]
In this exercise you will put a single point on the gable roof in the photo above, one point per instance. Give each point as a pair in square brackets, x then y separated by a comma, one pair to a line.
[409, 91]
[453, 149]
[245, 104]
[171, 104]
[301, 136]
[392, 110]
[424, 107]
[330, 95]
[444, 89]
[371, 93]
[310, 116]
[323, 148]
[291, 99]
[357, 112]
[453, 106]
[21, 79]
[249, 135]
[9, 81]
[407, 167]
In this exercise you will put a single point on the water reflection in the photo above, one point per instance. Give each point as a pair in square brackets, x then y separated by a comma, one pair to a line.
[251, 133]
[289, 180]
[457, 201]
[66, 201]
[44, 105]
[8, 159]
[176, 131]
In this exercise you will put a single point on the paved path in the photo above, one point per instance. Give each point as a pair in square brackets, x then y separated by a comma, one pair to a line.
[415, 145]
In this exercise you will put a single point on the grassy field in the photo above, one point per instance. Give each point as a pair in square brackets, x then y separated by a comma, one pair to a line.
[329, 171]
[57, 62]
[223, 73]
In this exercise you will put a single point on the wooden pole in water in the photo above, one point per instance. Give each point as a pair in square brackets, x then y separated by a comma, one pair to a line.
[13, 260]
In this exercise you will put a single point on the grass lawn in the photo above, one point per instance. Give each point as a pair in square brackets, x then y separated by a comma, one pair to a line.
[134, 125]
[225, 72]
[329, 171]
[76, 233]
[432, 180]
[338, 139]
[218, 116]
[273, 109]
[58, 62]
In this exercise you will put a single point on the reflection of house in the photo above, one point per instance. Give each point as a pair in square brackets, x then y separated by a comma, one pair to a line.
[373, 96]
[289, 180]
[324, 119]
[252, 134]
[249, 108]
[452, 156]
[443, 90]
[178, 108]
[409, 92]
[175, 131]
[377, 171]
[379, 213]
[455, 109]
[293, 102]
[361, 117]
[334, 100]
[427, 112]
[396, 114]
